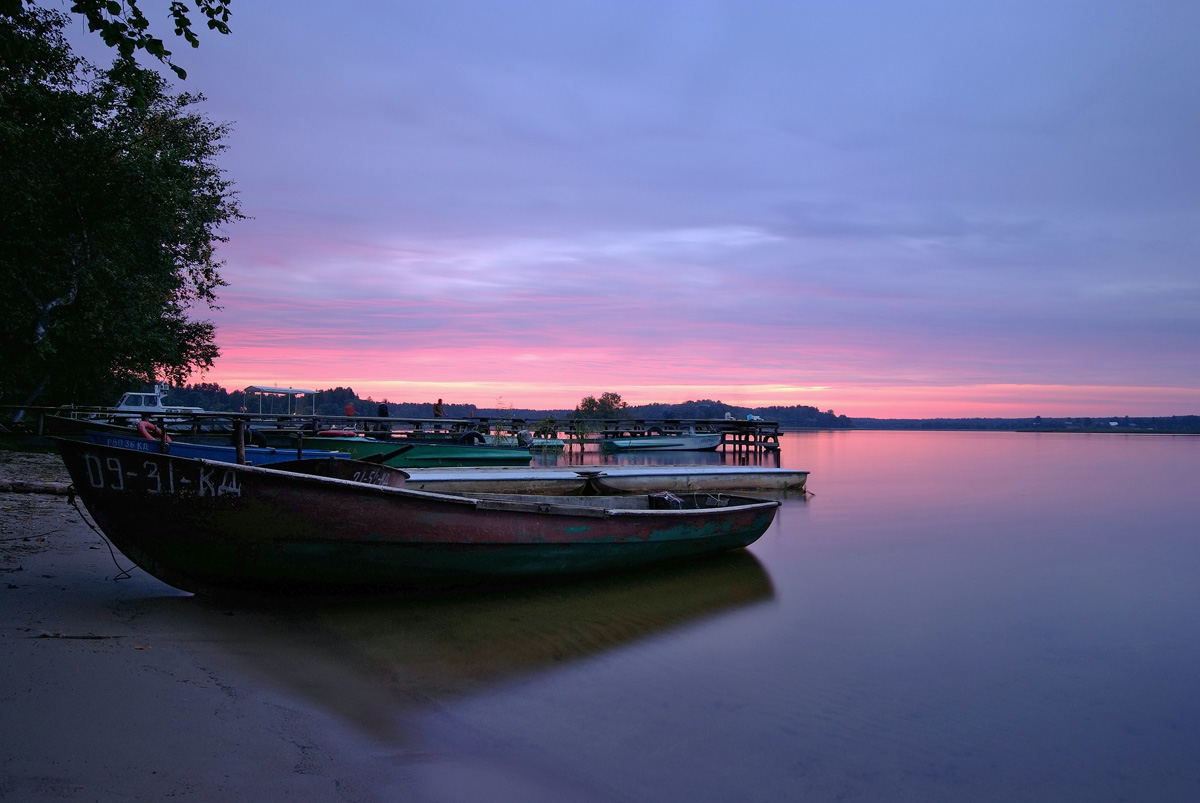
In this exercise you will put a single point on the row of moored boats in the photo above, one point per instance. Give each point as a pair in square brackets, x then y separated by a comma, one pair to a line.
[336, 510]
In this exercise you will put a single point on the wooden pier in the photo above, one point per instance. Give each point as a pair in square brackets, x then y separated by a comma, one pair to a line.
[736, 434]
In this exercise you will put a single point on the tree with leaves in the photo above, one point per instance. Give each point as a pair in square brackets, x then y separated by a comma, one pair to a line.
[110, 211]
[123, 26]
[607, 406]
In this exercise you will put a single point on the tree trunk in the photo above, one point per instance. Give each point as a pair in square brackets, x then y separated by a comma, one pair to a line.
[20, 414]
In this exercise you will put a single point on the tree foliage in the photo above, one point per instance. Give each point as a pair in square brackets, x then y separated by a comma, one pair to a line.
[110, 212]
[123, 26]
[607, 406]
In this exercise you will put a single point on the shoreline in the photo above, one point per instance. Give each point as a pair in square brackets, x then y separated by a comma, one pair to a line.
[130, 689]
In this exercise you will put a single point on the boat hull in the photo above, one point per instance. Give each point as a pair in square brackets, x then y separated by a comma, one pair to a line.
[204, 526]
[664, 443]
[255, 455]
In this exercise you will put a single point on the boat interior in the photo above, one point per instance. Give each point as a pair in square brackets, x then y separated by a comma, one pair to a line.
[661, 500]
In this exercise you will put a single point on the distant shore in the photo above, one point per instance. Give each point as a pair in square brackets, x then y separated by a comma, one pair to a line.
[1176, 424]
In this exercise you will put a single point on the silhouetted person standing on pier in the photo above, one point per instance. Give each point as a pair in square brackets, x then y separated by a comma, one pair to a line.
[438, 410]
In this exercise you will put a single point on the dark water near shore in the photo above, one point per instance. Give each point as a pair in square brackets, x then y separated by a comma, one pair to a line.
[948, 617]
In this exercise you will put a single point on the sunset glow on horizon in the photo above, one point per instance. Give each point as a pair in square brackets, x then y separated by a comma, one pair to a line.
[941, 210]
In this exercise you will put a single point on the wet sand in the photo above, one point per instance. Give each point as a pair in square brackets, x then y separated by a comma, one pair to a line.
[122, 689]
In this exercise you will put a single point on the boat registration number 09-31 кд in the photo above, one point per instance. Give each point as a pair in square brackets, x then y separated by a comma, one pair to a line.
[111, 474]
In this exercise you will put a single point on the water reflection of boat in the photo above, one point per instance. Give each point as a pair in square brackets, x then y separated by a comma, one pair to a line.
[362, 659]
[498, 636]
[203, 526]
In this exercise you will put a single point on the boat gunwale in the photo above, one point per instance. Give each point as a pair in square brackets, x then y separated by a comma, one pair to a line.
[99, 437]
[311, 479]
[519, 503]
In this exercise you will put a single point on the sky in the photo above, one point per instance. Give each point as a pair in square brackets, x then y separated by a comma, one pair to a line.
[886, 209]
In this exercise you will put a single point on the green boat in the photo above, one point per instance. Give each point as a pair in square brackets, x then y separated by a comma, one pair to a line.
[414, 453]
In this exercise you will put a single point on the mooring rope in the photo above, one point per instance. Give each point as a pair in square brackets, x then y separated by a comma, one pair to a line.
[124, 573]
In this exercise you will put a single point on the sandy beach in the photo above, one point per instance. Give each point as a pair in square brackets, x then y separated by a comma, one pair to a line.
[126, 689]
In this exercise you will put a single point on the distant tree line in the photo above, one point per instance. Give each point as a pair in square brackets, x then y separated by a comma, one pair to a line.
[794, 417]
[333, 401]
[1116, 423]
[611, 405]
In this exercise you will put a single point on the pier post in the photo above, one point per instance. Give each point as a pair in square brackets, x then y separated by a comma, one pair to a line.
[239, 442]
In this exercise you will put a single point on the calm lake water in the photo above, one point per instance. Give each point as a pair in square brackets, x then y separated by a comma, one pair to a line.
[947, 617]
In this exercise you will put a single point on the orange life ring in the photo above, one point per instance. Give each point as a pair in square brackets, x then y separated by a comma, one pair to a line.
[152, 432]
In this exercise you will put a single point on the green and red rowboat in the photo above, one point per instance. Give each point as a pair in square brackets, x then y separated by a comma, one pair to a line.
[206, 526]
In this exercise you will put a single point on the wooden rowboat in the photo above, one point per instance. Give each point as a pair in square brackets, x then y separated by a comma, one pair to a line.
[202, 526]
